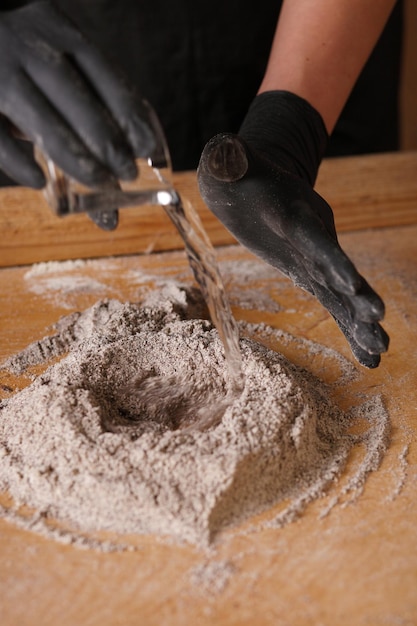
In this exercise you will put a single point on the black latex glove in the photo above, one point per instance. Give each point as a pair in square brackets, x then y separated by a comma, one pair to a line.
[60, 93]
[259, 183]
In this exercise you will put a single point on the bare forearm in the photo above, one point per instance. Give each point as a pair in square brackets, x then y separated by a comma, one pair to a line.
[321, 46]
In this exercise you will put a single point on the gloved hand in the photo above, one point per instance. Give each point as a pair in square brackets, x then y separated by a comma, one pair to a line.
[59, 92]
[259, 183]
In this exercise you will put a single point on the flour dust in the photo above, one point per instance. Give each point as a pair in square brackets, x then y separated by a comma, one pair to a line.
[84, 455]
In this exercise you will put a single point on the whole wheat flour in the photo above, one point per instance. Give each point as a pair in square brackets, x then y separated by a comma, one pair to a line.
[79, 447]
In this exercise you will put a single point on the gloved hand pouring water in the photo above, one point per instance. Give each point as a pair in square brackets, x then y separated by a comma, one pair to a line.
[60, 93]
[57, 89]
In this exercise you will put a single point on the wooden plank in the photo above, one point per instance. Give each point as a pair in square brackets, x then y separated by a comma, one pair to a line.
[31, 233]
[372, 191]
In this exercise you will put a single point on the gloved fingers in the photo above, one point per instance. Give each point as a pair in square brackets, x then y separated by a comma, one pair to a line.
[357, 316]
[371, 336]
[367, 304]
[363, 356]
[360, 310]
[15, 160]
[41, 123]
[107, 219]
[368, 336]
[76, 102]
[328, 264]
[131, 113]
[41, 28]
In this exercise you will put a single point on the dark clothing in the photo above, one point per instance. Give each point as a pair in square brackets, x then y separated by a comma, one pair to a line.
[200, 65]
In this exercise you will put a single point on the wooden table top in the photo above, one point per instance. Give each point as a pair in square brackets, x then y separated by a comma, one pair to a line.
[364, 192]
[357, 565]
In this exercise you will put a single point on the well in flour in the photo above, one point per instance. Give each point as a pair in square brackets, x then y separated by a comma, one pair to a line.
[78, 446]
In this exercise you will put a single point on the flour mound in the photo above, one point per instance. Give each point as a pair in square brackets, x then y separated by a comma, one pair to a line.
[79, 446]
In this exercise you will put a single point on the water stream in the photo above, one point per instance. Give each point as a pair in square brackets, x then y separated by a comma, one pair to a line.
[202, 260]
[155, 186]
[203, 411]
[203, 263]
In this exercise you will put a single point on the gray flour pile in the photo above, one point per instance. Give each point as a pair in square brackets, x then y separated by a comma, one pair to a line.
[80, 446]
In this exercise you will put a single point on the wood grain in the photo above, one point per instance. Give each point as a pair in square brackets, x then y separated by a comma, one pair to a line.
[355, 566]
[365, 192]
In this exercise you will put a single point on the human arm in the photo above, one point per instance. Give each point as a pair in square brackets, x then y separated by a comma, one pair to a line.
[260, 182]
[320, 48]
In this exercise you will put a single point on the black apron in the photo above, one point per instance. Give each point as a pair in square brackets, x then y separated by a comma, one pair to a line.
[200, 64]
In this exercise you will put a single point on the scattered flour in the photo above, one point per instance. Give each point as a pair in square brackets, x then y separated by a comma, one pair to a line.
[212, 576]
[66, 284]
[79, 447]
[52, 267]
